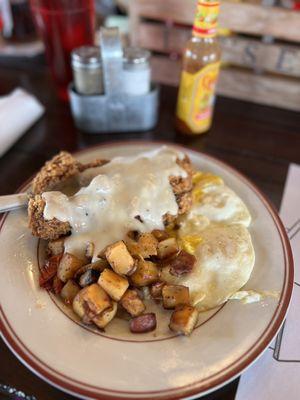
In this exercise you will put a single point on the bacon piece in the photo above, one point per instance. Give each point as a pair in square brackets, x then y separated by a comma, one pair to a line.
[57, 285]
[48, 271]
[143, 323]
[47, 285]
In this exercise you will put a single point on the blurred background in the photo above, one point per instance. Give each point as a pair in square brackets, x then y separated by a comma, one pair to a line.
[260, 41]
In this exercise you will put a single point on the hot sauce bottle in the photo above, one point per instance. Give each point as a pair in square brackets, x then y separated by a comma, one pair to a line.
[201, 64]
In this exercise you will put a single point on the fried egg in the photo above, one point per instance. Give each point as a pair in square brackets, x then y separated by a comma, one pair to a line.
[215, 231]
[225, 259]
[214, 200]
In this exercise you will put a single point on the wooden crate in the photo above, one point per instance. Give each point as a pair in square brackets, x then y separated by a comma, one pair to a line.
[253, 67]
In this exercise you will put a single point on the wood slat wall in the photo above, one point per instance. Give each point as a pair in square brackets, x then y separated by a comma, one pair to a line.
[271, 68]
[240, 17]
[238, 84]
[239, 51]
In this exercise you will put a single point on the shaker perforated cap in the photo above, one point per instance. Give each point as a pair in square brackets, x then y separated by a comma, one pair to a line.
[86, 56]
[136, 55]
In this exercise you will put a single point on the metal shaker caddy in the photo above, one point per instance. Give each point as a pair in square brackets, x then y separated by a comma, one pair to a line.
[114, 111]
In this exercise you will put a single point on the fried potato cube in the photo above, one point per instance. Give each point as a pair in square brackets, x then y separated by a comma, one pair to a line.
[114, 284]
[167, 248]
[175, 295]
[145, 246]
[143, 323]
[160, 234]
[91, 299]
[184, 319]
[56, 247]
[148, 245]
[132, 246]
[156, 290]
[106, 316]
[119, 258]
[145, 273]
[68, 265]
[132, 303]
[89, 251]
[69, 291]
[78, 305]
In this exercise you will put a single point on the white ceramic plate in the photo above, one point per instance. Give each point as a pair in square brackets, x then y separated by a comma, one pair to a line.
[116, 364]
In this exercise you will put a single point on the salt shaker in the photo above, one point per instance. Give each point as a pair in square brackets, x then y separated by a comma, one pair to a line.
[136, 71]
[87, 70]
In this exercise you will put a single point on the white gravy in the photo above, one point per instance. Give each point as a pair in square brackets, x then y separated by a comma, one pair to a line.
[127, 187]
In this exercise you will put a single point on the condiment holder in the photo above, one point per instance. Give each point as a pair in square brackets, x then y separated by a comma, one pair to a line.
[129, 102]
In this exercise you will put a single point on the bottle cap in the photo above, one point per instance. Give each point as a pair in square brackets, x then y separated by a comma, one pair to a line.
[86, 56]
[136, 55]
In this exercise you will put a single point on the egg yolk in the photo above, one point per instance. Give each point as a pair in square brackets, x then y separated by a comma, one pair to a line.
[202, 180]
[187, 240]
[190, 243]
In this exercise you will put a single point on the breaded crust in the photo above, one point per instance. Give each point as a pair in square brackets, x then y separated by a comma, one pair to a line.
[179, 184]
[44, 229]
[182, 188]
[56, 171]
[60, 167]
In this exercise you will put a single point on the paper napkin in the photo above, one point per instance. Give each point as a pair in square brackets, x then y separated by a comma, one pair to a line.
[18, 112]
[276, 375]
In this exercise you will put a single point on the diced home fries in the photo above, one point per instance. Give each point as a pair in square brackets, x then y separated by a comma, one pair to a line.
[107, 260]
[68, 265]
[146, 273]
[102, 319]
[167, 248]
[91, 301]
[115, 285]
[184, 319]
[119, 258]
[175, 295]
[132, 303]
[99, 291]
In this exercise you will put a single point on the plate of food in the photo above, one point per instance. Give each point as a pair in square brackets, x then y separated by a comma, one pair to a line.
[142, 271]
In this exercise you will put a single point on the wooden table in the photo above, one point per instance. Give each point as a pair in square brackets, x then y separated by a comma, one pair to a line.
[259, 141]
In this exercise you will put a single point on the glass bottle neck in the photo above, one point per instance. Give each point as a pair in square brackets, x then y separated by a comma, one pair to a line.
[204, 39]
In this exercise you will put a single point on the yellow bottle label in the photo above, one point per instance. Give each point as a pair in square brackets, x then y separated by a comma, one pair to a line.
[206, 19]
[196, 97]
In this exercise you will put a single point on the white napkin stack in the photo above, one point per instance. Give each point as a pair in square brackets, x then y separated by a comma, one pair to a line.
[18, 112]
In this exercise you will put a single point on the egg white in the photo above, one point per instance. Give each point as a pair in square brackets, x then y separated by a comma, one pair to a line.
[225, 259]
[220, 204]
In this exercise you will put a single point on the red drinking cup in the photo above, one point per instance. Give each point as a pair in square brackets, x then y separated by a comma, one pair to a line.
[63, 26]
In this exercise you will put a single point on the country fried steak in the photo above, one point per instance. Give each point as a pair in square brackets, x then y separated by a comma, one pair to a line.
[64, 166]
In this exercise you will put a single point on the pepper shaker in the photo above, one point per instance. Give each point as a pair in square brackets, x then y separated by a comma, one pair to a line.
[87, 70]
